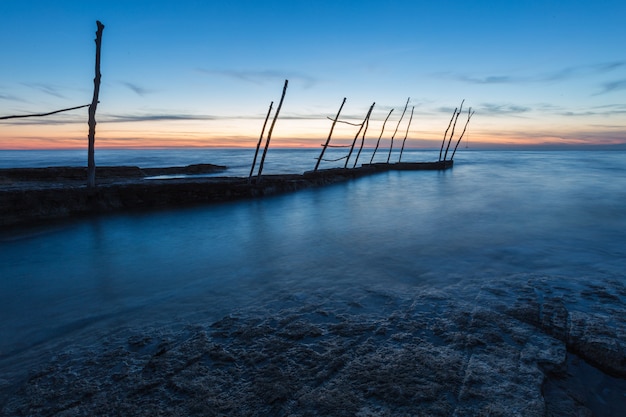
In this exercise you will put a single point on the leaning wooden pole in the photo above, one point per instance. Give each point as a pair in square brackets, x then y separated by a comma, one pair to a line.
[445, 135]
[406, 135]
[367, 123]
[357, 135]
[445, 155]
[258, 145]
[379, 137]
[332, 127]
[91, 162]
[397, 126]
[470, 113]
[43, 114]
[269, 134]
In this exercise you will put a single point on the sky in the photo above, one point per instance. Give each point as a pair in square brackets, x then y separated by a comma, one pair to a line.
[203, 73]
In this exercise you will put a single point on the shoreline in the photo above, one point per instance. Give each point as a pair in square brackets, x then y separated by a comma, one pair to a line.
[520, 345]
[39, 194]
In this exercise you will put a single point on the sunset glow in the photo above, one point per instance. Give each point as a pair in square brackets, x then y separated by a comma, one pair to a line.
[203, 75]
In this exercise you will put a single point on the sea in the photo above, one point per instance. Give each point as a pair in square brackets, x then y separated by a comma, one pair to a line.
[494, 214]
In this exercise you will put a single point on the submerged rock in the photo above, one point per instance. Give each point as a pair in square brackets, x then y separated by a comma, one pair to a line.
[457, 351]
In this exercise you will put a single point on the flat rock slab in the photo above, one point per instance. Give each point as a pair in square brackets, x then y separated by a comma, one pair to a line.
[513, 347]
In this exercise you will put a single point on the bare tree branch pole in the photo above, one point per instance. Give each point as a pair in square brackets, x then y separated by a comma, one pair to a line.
[357, 135]
[381, 135]
[397, 126]
[332, 127]
[445, 155]
[470, 113]
[258, 145]
[269, 134]
[367, 124]
[406, 135]
[43, 114]
[91, 163]
[445, 135]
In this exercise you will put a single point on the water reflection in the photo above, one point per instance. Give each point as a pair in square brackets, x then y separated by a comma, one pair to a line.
[488, 216]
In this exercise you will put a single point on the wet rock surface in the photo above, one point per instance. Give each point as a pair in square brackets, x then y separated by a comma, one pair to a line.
[520, 346]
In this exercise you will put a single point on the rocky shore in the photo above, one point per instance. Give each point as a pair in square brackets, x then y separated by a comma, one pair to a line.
[517, 346]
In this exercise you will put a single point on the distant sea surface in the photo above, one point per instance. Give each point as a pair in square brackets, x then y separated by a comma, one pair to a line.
[559, 214]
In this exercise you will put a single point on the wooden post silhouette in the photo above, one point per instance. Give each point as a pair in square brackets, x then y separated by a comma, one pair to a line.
[258, 145]
[445, 155]
[381, 135]
[445, 135]
[357, 135]
[367, 123]
[91, 164]
[397, 126]
[332, 127]
[470, 113]
[406, 135]
[269, 134]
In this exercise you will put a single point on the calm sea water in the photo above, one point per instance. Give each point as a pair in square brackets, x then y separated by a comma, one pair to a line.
[493, 214]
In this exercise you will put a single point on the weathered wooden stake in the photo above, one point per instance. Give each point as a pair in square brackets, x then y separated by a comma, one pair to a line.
[367, 123]
[470, 113]
[332, 127]
[91, 163]
[406, 135]
[445, 135]
[357, 135]
[396, 131]
[258, 145]
[453, 127]
[269, 134]
[381, 135]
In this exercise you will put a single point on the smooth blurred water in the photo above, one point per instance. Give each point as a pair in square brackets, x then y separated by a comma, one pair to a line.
[493, 214]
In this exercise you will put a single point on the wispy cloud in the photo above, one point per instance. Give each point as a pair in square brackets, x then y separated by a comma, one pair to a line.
[562, 74]
[498, 109]
[46, 88]
[154, 117]
[262, 77]
[9, 97]
[613, 86]
[137, 89]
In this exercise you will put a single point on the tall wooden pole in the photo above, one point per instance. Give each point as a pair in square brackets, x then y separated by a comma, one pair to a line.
[269, 134]
[397, 126]
[470, 113]
[445, 135]
[91, 163]
[258, 145]
[367, 123]
[357, 135]
[445, 155]
[329, 135]
[381, 135]
[406, 135]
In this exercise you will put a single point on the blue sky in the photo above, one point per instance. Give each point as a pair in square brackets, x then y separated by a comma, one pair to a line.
[202, 73]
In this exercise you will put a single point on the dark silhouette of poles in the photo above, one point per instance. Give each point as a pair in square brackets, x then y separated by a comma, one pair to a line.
[406, 135]
[358, 133]
[445, 155]
[269, 134]
[91, 163]
[381, 135]
[367, 124]
[332, 127]
[445, 135]
[470, 113]
[258, 145]
[396, 131]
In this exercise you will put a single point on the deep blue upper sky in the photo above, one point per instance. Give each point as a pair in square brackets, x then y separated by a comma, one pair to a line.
[204, 72]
